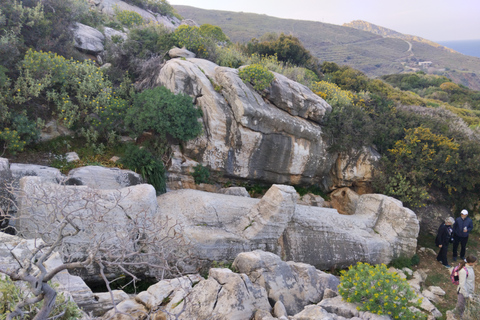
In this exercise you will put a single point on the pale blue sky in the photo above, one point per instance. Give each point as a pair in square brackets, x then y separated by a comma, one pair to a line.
[436, 20]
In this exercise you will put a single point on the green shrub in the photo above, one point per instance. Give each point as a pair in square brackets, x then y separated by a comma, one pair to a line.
[379, 291]
[394, 184]
[259, 76]
[142, 161]
[164, 112]
[72, 89]
[26, 128]
[128, 18]
[201, 174]
[405, 262]
[193, 39]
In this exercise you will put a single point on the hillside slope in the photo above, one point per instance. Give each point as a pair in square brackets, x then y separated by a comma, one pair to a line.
[371, 53]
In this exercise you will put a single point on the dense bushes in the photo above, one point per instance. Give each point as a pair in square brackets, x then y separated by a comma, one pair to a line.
[287, 48]
[143, 161]
[160, 110]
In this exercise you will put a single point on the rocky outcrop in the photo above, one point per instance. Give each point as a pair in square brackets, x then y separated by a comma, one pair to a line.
[355, 169]
[276, 138]
[293, 284]
[218, 227]
[20, 170]
[246, 136]
[108, 7]
[262, 287]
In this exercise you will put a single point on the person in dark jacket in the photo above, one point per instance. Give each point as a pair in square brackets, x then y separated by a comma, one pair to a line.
[442, 240]
[461, 228]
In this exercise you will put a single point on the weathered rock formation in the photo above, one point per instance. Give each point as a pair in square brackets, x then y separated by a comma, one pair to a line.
[276, 138]
[217, 227]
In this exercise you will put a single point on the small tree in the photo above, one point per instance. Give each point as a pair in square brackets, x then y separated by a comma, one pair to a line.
[164, 112]
[93, 229]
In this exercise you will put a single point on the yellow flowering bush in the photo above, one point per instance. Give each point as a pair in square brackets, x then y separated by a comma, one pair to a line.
[427, 158]
[332, 93]
[259, 76]
[379, 291]
[128, 18]
[11, 141]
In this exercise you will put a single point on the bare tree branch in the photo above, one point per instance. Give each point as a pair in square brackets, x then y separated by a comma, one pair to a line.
[101, 231]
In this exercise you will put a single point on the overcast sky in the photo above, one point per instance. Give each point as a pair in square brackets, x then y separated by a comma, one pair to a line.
[437, 20]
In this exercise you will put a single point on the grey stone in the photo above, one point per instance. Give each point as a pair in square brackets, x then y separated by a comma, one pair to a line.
[436, 290]
[72, 156]
[53, 129]
[180, 53]
[103, 302]
[20, 170]
[245, 135]
[224, 295]
[235, 191]
[339, 307]
[294, 284]
[311, 200]
[218, 227]
[104, 217]
[88, 39]
[109, 33]
[103, 178]
[108, 7]
[127, 310]
[279, 309]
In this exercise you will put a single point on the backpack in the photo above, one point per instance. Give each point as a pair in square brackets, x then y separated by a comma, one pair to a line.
[453, 277]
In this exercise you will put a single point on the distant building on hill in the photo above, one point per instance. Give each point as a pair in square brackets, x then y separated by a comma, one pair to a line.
[425, 64]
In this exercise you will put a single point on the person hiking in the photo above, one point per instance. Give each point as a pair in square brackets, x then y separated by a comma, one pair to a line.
[444, 234]
[466, 283]
[461, 228]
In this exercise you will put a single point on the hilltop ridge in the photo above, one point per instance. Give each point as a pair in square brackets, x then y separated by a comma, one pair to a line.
[372, 53]
[385, 32]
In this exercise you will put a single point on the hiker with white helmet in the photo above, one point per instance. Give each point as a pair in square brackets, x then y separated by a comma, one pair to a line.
[461, 229]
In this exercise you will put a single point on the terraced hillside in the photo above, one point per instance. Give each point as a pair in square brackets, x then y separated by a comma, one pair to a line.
[371, 53]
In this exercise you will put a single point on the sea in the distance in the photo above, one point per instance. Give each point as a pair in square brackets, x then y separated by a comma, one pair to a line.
[468, 47]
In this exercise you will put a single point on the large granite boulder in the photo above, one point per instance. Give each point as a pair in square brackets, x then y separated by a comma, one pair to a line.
[218, 227]
[380, 230]
[246, 136]
[88, 39]
[99, 221]
[20, 170]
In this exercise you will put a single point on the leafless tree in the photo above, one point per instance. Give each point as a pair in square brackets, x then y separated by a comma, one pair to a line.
[100, 231]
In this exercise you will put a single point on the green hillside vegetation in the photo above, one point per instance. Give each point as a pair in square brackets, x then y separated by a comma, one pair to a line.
[425, 126]
[368, 52]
